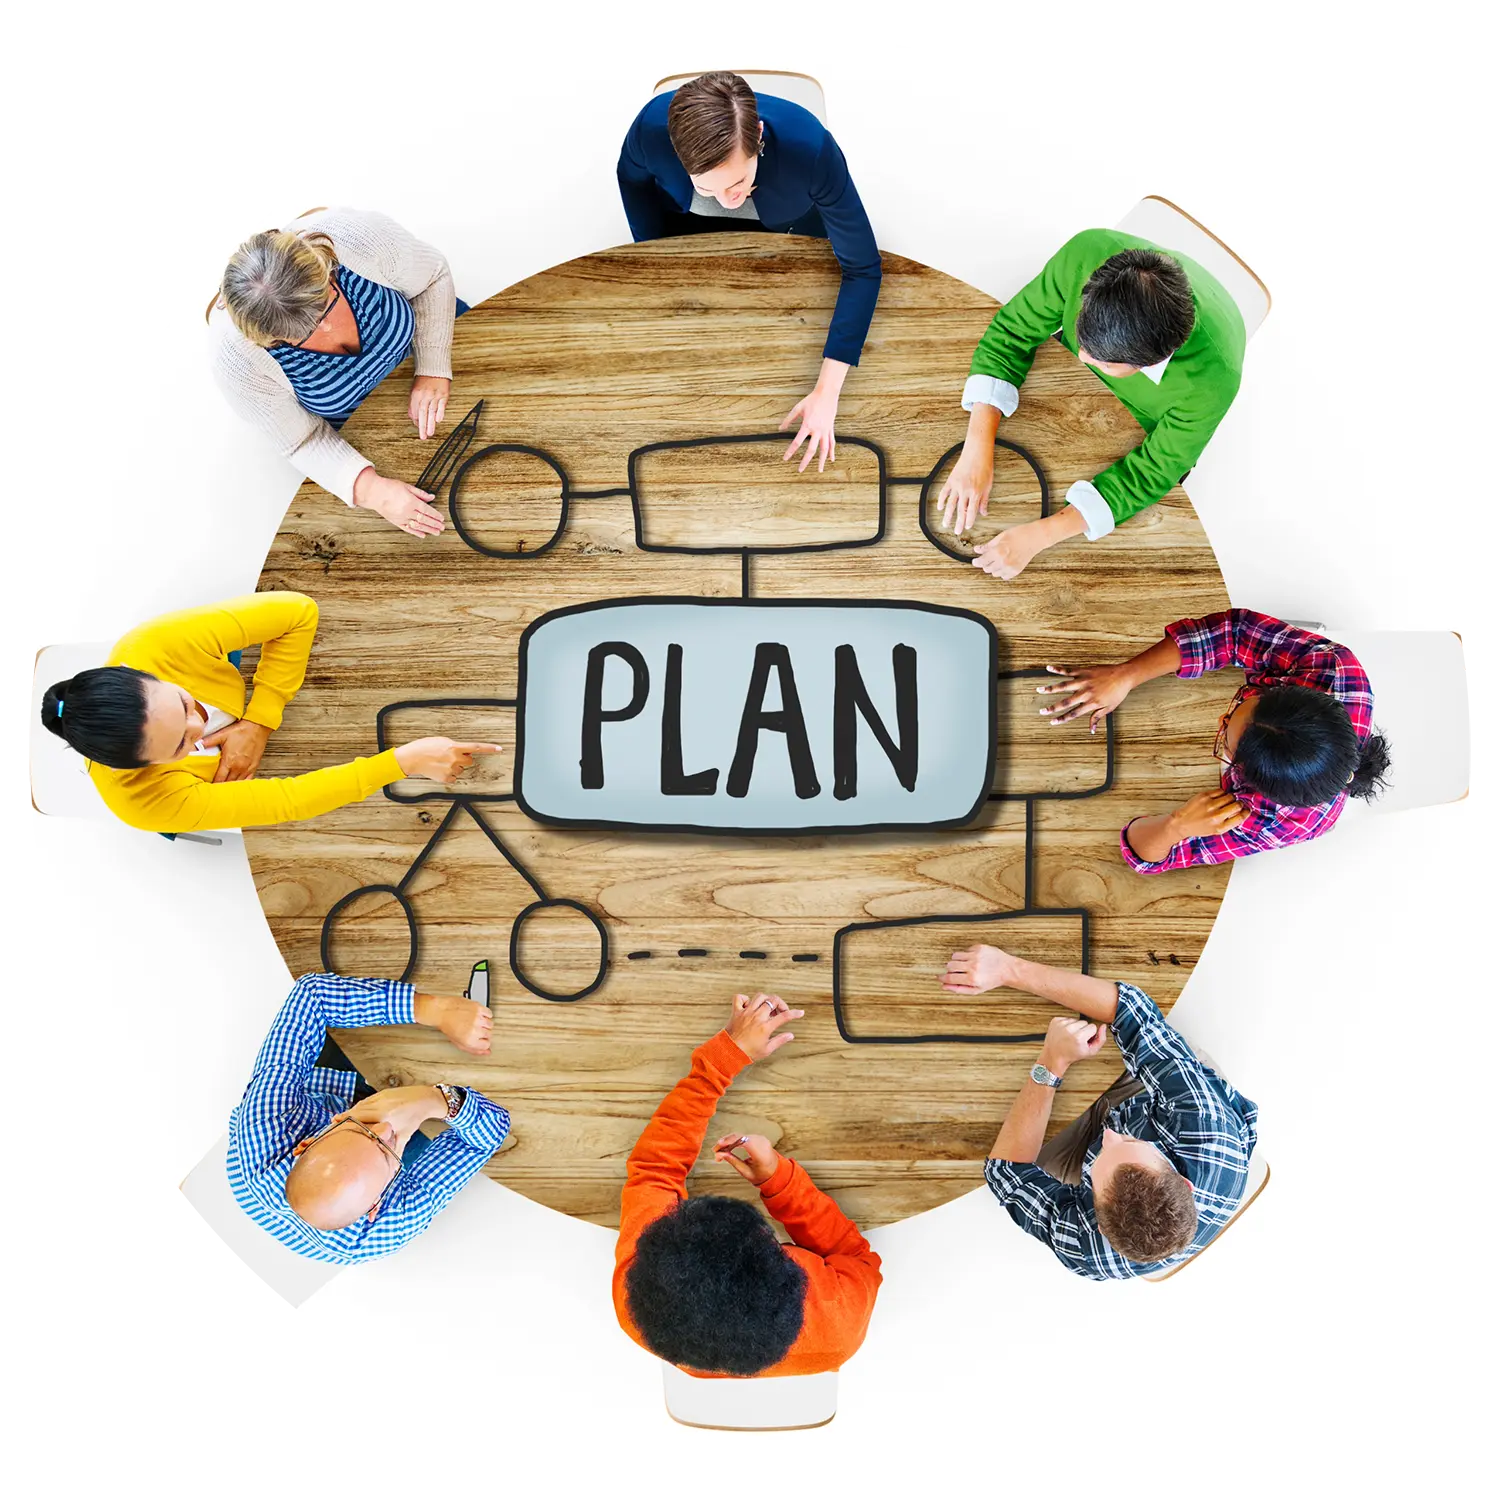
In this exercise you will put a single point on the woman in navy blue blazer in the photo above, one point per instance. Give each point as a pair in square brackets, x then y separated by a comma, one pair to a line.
[716, 155]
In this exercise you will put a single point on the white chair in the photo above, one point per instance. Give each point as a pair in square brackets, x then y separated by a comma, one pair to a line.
[797, 87]
[293, 1276]
[1165, 224]
[773, 1403]
[60, 783]
[1259, 1175]
[1422, 707]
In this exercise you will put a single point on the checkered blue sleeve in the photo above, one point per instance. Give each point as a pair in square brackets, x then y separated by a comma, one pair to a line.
[272, 1114]
[423, 1190]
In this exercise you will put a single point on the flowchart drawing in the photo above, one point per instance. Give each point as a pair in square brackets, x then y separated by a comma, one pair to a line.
[813, 716]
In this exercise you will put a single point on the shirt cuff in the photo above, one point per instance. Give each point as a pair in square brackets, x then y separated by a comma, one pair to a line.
[723, 1056]
[780, 1179]
[1134, 1009]
[1098, 519]
[402, 1004]
[1192, 643]
[1136, 863]
[480, 1122]
[1006, 1177]
[990, 390]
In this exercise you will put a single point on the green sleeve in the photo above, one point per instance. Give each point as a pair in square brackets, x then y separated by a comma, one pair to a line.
[1147, 472]
[1034, 314]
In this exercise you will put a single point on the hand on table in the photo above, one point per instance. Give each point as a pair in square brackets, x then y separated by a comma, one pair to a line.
[1070, 1040]
[438, 758]
[759, 1161]
[466, 1023]
[1006, 554]
[966, 495]
[429, 400]
[815, 412]
[1206, 814]
[240, 746]
[402, 504]
[976, 970]
[753, 1023]
[1095, 691]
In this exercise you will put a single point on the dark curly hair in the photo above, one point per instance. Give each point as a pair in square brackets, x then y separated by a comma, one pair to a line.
[1136, 309]
[1300, 749]
[711, 1289]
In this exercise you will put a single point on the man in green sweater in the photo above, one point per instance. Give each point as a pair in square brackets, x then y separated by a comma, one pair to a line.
[1162, 334]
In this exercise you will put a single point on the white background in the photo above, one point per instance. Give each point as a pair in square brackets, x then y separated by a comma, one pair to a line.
[1339, 1339]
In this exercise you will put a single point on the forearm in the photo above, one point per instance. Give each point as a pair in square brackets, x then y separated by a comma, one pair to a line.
[1088, 995]
[984, 423]
[831, 377]
[1153, 838]
[1159, 660]
[1025, 1127]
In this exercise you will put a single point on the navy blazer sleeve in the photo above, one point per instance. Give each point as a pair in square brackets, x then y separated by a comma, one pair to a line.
[853, 243]
[645, 203]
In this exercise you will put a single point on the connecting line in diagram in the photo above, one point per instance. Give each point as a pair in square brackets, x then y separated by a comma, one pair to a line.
[451, 466]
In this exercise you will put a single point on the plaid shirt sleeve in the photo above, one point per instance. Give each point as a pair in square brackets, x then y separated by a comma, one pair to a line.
[1059, 1215]
[279, 1108]
[1271, 653]
[423, 1190]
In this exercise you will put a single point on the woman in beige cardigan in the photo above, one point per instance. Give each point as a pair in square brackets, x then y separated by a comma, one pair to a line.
[309, 319]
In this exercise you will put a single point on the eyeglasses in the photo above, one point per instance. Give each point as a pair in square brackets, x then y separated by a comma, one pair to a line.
[332, 303]
[1221, 739]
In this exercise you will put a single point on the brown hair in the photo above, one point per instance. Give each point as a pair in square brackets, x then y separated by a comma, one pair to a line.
[1147, 1215]
[710, 119]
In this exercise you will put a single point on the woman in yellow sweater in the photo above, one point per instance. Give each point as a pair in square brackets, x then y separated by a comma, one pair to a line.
[174, 746]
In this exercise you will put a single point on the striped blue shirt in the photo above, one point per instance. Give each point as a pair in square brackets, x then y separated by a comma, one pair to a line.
[332, 385]
[289, 1099]
[1205, 1128]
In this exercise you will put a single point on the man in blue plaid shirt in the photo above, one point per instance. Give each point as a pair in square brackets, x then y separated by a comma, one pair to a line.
[335, 1170]
[1156, 1167]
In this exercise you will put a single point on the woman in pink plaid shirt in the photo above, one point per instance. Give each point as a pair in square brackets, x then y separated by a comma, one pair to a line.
[1296, 741]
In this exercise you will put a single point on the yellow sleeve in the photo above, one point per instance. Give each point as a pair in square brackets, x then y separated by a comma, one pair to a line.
[176, 801]
[282, 624]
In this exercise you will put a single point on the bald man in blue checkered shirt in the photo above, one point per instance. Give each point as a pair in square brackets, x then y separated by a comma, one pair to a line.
[1154, 1169]
[334, 1170]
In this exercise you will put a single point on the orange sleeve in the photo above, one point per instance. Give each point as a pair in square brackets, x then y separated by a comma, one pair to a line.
[843, 1272]
[656, 1172]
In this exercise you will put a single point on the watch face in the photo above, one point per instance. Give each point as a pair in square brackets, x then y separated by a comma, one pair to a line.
[1039, 1074]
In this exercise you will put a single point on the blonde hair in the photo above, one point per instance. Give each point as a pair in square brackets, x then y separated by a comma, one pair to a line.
[276, 285]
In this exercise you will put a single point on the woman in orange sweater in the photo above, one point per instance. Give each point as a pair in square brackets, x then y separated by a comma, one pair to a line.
[702, 1282]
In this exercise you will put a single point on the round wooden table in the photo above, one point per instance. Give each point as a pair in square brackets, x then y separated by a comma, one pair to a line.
[588, 365]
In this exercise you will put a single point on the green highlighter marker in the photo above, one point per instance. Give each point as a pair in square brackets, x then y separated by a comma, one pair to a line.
[479, 982]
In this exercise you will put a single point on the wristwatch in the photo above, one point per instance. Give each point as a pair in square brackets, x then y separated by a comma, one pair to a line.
[453, 1097]
[1040, 1074]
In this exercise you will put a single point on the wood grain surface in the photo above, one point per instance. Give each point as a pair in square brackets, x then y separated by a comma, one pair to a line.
[720, 335]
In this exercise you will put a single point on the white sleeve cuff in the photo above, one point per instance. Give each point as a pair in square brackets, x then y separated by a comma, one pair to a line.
[990, 391]
[1090, 504]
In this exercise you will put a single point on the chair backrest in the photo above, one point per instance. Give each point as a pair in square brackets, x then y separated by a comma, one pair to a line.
[60, 782]
[800, 88]
[1256, 1180]
[774, 1403]
[1165, 224]
[293, 1276]
[1422, 707]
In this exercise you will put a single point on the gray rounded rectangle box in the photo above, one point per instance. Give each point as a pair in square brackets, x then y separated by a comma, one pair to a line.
[756, 716]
